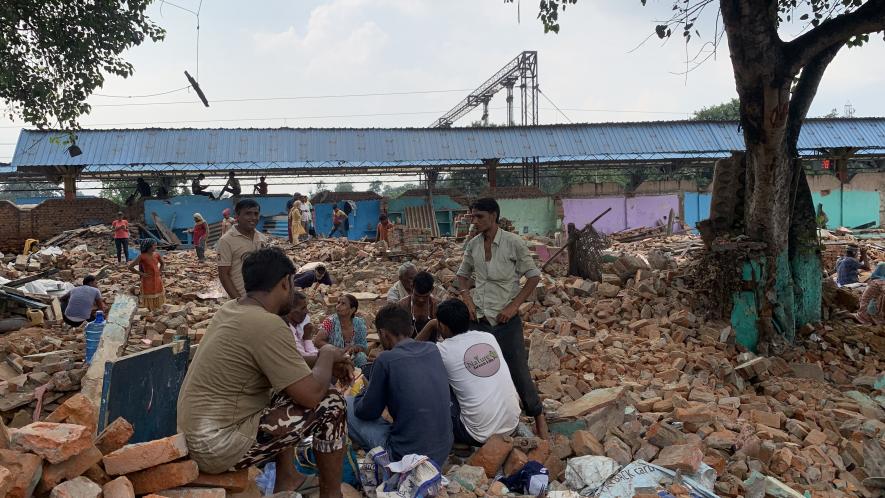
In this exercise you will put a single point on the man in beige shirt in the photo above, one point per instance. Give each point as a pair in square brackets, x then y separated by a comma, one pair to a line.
[250, 397]
[236, 244]
[496, 259]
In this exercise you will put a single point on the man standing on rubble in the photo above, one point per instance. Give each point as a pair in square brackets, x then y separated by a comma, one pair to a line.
[236, 244]
[249, 397]
[496, 259]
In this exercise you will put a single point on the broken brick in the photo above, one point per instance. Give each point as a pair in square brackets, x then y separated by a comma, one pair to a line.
[492, 454]
[54, 442]
[135, 457]
[25, 468]
[697, 414]
[585, 443]
[80, 487]
[54, 474]
[684, 457]
[78, 410]
[120, 487]
[194, 493]
[515, 462]
[231, 481]
[165, 476]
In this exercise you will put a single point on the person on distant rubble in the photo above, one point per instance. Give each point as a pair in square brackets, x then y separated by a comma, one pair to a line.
[345, 330]
[419, 404]
[873, 296]
[485, 402]
[403, 287]
[143, 188]
[821, 218]
[317, 276]
[201, 235]
[236, 244]
[226, 221]
[296, 227]
[383, 229]
[149, 266]
[420, 302]
[232, 186]
[848, 265]
[299, 322]
[80, 303]
[198, 189]
[260, 188]
[307, 217]
[339, 218]
[250, 397]
[496, 259]
[121, 237]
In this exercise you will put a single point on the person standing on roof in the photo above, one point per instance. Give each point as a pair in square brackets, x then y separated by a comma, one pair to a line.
[121, 237]
[232, 186]
[198, 189]
[497, 259]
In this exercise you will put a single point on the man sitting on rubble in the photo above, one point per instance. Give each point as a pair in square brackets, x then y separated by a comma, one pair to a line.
[80, 304]
[848, 265]
[485, 402]
[317, 276]
[403, 286]
[249, 397]
[408, 379]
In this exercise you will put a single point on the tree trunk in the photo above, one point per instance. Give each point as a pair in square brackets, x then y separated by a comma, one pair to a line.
[777, 207]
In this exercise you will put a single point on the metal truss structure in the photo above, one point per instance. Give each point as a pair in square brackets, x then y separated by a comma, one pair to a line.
[523, 70]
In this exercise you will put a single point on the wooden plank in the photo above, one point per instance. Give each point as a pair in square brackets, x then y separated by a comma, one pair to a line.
[113, 339]
[23, 281]
[168, 234]
[143, 388]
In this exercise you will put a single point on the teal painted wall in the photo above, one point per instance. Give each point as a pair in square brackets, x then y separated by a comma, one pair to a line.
[443, 207]
[536, 216]
[849, 208]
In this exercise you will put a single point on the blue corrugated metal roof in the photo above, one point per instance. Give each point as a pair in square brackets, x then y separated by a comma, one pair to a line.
[146, 149]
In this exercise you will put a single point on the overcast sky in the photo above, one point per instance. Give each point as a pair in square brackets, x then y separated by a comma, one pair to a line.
[307, 48]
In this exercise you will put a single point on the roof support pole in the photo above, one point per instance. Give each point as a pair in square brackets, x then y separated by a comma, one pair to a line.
[70, 181]
[492, 172]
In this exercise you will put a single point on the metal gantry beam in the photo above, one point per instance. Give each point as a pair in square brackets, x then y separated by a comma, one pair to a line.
[522, 70]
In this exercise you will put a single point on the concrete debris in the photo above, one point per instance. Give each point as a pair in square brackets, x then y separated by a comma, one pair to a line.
[627, 370]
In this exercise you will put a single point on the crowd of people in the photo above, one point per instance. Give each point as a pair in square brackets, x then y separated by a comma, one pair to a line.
[263, 379]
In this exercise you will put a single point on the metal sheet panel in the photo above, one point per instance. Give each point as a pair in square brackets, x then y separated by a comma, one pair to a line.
[110, 150]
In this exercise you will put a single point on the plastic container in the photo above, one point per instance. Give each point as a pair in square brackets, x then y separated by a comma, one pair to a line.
[93, 335]
[36, 317]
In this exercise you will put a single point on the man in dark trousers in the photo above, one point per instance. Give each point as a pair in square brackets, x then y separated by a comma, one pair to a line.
[419, 404]
[496, 259]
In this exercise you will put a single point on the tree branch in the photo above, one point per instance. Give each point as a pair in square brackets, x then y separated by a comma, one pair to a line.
[805, 90]
[868, 18]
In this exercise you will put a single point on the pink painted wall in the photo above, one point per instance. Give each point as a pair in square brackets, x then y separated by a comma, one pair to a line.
[627, 212]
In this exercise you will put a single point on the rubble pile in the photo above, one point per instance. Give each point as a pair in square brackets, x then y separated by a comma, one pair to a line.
[63, 457]
[630, 370]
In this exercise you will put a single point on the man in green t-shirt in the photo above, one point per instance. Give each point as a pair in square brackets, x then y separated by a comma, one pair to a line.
[249, 396]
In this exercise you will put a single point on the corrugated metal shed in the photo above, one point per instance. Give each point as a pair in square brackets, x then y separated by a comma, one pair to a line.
[287, 148]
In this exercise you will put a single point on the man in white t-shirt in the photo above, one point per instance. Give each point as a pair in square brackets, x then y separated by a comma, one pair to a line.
[485, 401]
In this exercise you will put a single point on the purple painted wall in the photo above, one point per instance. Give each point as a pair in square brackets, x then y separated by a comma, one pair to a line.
[582, 211]
[627, 212]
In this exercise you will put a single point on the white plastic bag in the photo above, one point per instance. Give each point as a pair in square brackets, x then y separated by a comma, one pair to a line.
[641, 474]
[585, 474]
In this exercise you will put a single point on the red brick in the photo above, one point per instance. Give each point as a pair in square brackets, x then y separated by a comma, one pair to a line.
[555, 467]
[815, 437]
[135, 457]
[515, 461]
[541, 452]
[766, 418]
[80, 487]
[233, 481]
[120, 487]
[26, 468]
[662, 434]
[54, 442]
[115, 436]
[194, 493]
[78, 410]
[165, 476]
[585, 443]
[722, 440]
[54, 474]
[684, 457]
[492, 454]
[697, 414]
